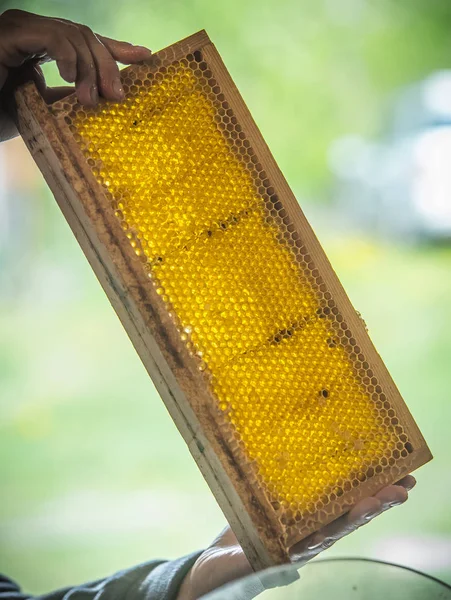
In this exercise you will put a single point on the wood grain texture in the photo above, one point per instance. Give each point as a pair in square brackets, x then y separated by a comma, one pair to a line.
[83, 201]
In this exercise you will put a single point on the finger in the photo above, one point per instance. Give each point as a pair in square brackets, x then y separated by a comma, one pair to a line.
[108, 78]
[362, 513]
[33, 72]
[64, 54]
[63, 42]
[41, 43]
[86, 78]
[53, 94]
[392, 495]
[3, 75]
[408, 482]
[14, 58]
[56, 47]
[15, 77]
[124, 52]
[28, 72]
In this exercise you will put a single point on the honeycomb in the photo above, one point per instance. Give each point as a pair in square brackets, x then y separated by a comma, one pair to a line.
[288, 380]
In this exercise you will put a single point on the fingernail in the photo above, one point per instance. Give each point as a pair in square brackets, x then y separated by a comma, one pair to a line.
[94, 94]
[391, 504]
[316, 543]
[371, 515]
[314, 546]
[118, 89]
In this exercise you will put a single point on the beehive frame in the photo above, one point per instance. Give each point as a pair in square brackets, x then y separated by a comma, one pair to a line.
[265, 527]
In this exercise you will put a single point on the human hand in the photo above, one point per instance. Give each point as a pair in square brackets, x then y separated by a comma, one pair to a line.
[84, 58]
[225, 561]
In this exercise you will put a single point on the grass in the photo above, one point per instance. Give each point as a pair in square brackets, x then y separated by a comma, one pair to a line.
[94, 476]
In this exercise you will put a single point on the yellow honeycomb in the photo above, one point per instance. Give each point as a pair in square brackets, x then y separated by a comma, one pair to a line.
[197, 208]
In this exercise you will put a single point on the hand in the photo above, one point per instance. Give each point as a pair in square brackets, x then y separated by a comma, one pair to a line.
[82, 57]
[225, 561]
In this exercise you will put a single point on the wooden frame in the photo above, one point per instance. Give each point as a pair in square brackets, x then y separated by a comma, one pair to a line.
[255, 521]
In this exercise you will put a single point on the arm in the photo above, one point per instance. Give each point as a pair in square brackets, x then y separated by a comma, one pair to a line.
[193, 576]
[84, 58]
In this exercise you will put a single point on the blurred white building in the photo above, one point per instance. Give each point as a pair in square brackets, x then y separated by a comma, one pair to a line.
[400, 185]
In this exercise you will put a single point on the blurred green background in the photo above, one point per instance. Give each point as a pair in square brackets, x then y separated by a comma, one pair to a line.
[93, 474]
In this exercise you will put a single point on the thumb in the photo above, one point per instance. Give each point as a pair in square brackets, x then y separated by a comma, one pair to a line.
[30, 71]
[3, 75]
[15, 77]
